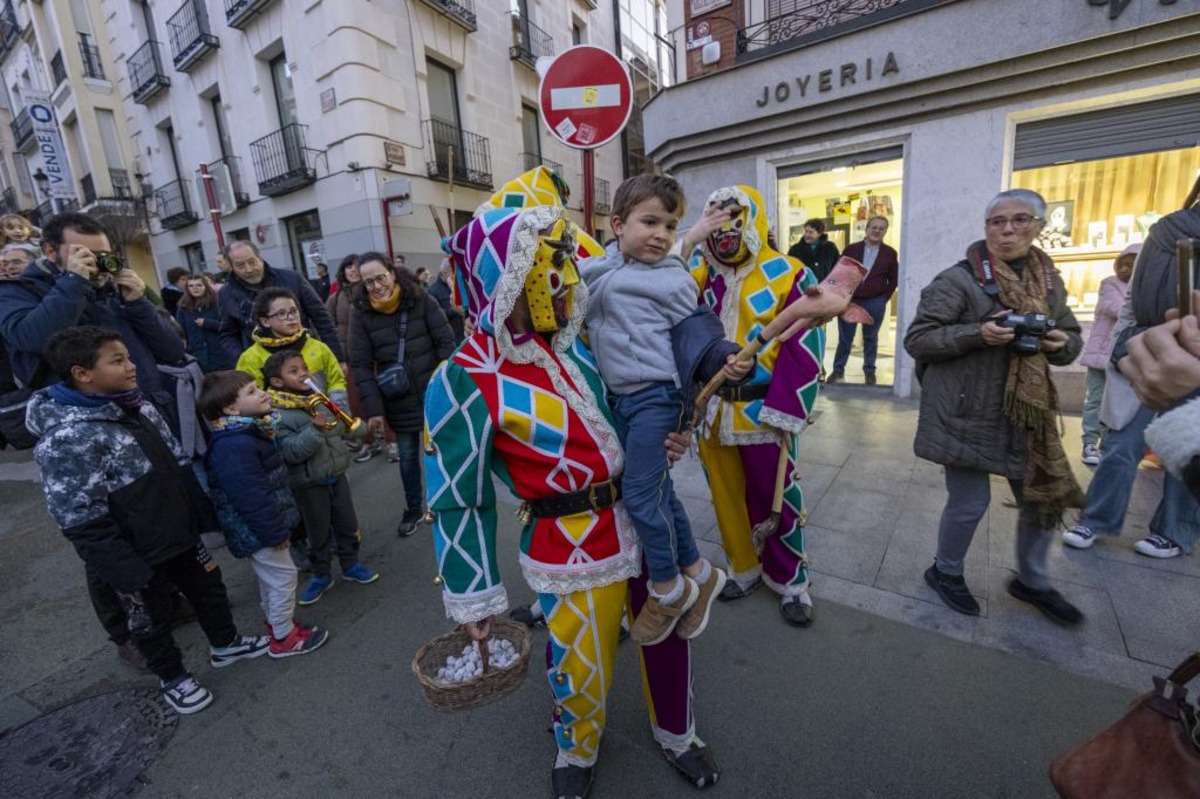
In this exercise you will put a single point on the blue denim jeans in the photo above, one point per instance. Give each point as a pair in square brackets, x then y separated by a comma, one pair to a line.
[1093, 428]
[408, 447]
[644, 418]
[876, 307]
[1178, 513]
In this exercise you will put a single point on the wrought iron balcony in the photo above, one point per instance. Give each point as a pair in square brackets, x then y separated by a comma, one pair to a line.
[283, 162]
[10, 31]
[190, 35]
[239, 13]
[58, 70]
[529, 41]
[234, 165]
[8, 201]
[41, 215]
[174, 206]
[534, 160]
[88, 189]
[798, 23]
[122, 189]
[472, 163]
[22, 128]
[460, 12]
[146, 74]
[92, 67]
[600, 197]
[68, 206]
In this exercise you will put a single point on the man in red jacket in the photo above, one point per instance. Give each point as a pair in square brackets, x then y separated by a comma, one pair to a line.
[872, 295]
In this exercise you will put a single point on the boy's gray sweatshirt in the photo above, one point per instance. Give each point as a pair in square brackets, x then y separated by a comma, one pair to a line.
[632, 307]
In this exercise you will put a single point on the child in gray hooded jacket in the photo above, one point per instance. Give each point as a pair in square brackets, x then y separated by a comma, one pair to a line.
[639, 295]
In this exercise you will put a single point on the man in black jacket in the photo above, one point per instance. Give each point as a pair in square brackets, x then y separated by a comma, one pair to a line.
[250, 275]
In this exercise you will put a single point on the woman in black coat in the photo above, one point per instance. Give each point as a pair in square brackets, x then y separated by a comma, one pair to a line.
[391, 298]
[201, 321]
[815, 250]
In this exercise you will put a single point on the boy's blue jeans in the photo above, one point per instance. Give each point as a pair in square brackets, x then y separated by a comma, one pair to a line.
[644, 418]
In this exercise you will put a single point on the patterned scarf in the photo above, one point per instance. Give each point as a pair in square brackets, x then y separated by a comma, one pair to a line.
[289, 399]
[272, 343]
[1030, 401]
[268, 424]
[130, 401]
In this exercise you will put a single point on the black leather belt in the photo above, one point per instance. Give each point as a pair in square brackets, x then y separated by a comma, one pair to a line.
[743, 393]
[595, 497]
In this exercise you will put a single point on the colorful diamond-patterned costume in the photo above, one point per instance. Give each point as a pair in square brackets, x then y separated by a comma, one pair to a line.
[740, 448]
[531, 410]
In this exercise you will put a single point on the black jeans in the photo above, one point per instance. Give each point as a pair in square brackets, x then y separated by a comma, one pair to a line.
[326, 509]
[150, 609]
[108, 609]
[408, 447]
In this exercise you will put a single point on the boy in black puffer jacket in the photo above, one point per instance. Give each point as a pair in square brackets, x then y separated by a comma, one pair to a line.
[121, 488]
[248, 481]
[311, 440]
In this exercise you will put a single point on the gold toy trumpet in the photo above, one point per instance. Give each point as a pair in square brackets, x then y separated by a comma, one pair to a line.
[353, 423]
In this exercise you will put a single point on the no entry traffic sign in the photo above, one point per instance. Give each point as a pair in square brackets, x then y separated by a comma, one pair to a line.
[586, 96]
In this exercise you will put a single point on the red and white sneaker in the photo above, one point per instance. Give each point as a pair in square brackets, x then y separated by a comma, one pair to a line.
[300, 641]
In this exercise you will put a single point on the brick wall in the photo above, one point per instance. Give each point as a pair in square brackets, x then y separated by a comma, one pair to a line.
[723, 26]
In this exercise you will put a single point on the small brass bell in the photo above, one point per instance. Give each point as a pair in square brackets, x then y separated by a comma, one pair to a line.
[438, 580]
[560, 679]
[428, 517]
[524, 514]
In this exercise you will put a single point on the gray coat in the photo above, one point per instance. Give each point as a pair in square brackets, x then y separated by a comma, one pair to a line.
[962, 421]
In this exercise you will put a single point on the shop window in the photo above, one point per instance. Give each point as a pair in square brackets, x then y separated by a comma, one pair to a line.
[307, 242]
[194, 255]
[1095, 209]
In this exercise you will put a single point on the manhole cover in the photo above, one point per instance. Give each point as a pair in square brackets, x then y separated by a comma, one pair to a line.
[95, 747]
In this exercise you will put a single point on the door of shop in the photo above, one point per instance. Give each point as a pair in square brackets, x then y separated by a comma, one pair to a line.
[307, 242]
[843, 195]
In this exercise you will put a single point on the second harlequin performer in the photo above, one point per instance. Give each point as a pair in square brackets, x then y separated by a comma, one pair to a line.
[522, 399]
[747, 282]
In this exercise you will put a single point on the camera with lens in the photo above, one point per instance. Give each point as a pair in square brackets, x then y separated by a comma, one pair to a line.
[1030, 329]
[109, 261]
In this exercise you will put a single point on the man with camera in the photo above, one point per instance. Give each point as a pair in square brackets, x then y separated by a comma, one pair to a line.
[984, 337]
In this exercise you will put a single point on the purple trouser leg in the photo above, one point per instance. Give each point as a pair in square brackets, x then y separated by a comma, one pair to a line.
[667, 667]
[784, 561]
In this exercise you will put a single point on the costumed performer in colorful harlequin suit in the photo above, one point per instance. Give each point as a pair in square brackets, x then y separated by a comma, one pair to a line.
[522, 399]
[747, 282]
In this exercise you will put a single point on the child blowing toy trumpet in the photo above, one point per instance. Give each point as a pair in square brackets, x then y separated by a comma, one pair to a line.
[353, 423]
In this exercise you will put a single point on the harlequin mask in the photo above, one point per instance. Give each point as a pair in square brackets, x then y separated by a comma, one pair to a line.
[548, 284]
[727, 243]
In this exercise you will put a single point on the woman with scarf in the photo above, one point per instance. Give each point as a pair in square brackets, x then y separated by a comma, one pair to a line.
[988, 405]
[200, 320]
[394, 308]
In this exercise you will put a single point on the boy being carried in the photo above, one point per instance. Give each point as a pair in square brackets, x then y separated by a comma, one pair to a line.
[122, 489]
[248, 481]
[652, 343]
[317, 459]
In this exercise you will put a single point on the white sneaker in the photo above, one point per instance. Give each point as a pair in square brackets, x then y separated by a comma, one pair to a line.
[243, 647]
[1079, 537]
[185, 695]
[1091, 455]
[1155, 546]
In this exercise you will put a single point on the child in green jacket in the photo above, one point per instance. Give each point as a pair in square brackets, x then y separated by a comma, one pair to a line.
[279, 329]
[312, 441]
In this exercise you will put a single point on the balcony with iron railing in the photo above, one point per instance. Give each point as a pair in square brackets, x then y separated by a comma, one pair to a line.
[146, 74]
[10, 31]
[790, 24]
[470, 163]
[234, 165]
[87, 187]
[460, 12]
[8, 201]
[122, 189]
[22, 128]
[58, 70]
[529, 41]
[190, 35]
[175, 206]
[534, 160]
[239, 13]
[600, 197]
[68, 206]
[90, 53]
[283, 161]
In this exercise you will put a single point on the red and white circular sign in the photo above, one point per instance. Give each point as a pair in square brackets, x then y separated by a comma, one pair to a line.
[586, 97]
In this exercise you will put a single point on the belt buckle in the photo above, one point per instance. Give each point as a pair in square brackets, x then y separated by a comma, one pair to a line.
[594, 496]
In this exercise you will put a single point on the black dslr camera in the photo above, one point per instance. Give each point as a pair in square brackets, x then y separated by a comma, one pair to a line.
[1030, 329]
[109, 262]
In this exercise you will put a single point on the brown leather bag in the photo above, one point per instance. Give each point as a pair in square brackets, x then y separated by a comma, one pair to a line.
[1152, 751]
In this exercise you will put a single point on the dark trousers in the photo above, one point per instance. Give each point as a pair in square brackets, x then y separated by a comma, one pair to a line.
[108, 609]
[149, 610]
[408, 447]
[329, 509]
[876, 307]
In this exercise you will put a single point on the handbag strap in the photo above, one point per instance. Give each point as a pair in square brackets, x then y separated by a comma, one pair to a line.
[403, 332]
[1186, 671]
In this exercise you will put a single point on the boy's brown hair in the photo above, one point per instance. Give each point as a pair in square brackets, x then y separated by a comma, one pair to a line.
[640, 188]
[219, 391]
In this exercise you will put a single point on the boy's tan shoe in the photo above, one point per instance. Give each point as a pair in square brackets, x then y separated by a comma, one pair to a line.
[658, 620]
[693, 622]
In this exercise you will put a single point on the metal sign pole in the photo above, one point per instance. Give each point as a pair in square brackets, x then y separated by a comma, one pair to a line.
[589, 189]
[214, 208]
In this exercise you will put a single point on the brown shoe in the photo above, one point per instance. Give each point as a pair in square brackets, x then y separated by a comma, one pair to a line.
[657, 621]
[693, 622]
[834, 377]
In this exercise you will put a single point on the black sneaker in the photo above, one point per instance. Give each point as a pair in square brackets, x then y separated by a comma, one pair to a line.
[734, 590]
[952, 590]
[185, 695]
[572, 782]
[409, 522]
[1049, 602]
[524, 615]
[696, 764]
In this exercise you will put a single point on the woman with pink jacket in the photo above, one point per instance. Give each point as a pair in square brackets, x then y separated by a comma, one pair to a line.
[1099, 345]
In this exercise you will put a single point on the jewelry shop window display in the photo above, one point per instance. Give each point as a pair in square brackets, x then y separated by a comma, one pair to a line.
[1094, 209]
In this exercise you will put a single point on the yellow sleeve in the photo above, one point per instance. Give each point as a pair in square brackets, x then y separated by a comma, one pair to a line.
[251, 362]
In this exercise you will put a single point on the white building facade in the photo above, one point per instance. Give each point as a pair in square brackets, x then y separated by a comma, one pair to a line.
[922, 110]
[336, 121]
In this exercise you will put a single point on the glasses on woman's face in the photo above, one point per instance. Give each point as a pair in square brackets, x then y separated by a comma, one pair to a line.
[286, 313]
[378, 280]
[1018, 221]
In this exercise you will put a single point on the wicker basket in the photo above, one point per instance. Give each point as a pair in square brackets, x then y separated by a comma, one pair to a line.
[493, 684]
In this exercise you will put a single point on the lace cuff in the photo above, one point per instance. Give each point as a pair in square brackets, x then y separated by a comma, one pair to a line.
[465, 608]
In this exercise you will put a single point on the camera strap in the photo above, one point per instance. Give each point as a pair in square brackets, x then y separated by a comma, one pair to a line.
[985, 273]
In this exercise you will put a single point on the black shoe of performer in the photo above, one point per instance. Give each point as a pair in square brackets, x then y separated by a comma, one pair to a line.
[524, 615]
[952, 590]
[733, 591]
[697, 764]
[572, 782]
